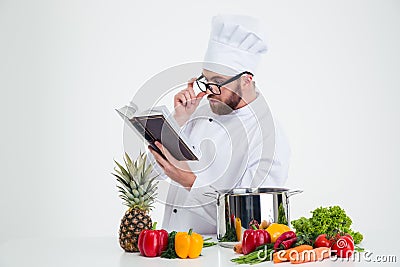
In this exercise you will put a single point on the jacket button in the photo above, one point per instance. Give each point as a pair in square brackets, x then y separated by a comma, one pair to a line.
[175, 211]
[210, 120]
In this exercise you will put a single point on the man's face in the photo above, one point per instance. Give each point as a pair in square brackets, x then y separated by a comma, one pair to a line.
[230, 96]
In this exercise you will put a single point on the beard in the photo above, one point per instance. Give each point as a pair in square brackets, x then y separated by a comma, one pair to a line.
[220, 107]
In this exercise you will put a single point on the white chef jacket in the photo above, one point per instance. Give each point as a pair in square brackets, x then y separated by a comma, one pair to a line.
[245, 148]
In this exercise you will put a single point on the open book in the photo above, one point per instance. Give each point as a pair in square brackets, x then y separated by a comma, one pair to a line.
[157, 124]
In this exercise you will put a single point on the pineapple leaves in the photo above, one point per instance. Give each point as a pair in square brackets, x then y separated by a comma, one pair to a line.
[121, 180]
[122, 190]
[127, 193]
[122, 176]
[140, 169]
[128, 159]
[136, 188]
[148, 171]
[124, 172]
[151, 184]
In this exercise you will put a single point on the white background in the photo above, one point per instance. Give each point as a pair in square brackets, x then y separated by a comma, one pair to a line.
[331, 77]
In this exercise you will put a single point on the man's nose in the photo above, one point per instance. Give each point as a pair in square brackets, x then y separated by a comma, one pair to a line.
[208, 91]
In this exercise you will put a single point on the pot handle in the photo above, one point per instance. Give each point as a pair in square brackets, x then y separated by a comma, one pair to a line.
[294, 192]
[214, 194]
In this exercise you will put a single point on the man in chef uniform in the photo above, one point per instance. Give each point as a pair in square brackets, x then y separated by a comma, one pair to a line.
[229, 122]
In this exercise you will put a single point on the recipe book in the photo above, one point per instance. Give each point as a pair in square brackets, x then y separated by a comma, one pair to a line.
[157, 124]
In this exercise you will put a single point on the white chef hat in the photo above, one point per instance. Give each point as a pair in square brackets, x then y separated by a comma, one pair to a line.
[236, 44]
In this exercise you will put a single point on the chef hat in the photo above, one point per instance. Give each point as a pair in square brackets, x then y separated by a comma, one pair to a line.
[236, 44]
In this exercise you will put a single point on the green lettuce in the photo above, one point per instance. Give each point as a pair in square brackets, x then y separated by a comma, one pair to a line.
[327, 221]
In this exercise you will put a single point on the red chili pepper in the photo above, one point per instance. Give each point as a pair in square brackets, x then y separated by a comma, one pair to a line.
[253, 239]
[290, 235]
[286, 244]
[152, 242]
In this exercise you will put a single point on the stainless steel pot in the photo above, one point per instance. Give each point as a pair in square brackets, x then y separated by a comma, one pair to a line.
[270, 204]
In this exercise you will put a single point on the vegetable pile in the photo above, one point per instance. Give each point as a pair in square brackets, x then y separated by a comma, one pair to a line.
[326, 233]
[156, 243]
[329, 221]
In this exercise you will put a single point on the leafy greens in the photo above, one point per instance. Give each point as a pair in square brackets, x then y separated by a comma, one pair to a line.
[327, 221]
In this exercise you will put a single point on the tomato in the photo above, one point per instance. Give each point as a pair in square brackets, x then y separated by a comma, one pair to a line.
[322, 241]
[349, 237]
[343, 246]
[337, 236]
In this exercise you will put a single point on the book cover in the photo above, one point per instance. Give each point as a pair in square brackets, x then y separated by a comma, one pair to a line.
[157, 124]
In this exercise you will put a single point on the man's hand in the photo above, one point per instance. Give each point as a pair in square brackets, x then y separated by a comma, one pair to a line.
[186, 102]
[179, 171]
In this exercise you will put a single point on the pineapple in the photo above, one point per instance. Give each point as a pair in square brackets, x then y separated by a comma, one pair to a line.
[138, 191]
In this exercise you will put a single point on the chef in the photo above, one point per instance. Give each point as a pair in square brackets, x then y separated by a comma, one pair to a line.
[229, 121]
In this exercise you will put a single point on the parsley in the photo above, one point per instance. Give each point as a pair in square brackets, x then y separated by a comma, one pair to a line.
[230, 235]
[170, 252]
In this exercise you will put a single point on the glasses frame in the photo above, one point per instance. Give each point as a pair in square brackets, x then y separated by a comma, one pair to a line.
[209, 86]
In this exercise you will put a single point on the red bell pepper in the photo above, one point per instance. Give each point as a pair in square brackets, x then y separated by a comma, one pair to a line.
[152, 242]
[253, 239]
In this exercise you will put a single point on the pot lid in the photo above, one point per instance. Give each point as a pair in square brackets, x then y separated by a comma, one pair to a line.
[254, 190]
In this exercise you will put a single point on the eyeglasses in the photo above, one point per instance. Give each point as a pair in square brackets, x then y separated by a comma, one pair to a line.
[215, 88]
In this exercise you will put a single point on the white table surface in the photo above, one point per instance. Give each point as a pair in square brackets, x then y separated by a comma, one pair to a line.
[105, 251]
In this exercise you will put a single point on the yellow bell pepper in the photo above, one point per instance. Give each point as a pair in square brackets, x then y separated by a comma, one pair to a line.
[275, 230]
[188, 244]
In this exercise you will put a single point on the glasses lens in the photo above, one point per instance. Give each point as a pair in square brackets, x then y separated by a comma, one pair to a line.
[201, 86]
[204, 86]
[214, 89]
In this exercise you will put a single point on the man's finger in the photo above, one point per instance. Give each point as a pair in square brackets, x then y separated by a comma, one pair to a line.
[166, 153]
[191, 82]
[192, 95]
[187, 96]
[160, 160]
[180, 99]
[162, 148]
[199, 97]
[155, 155]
